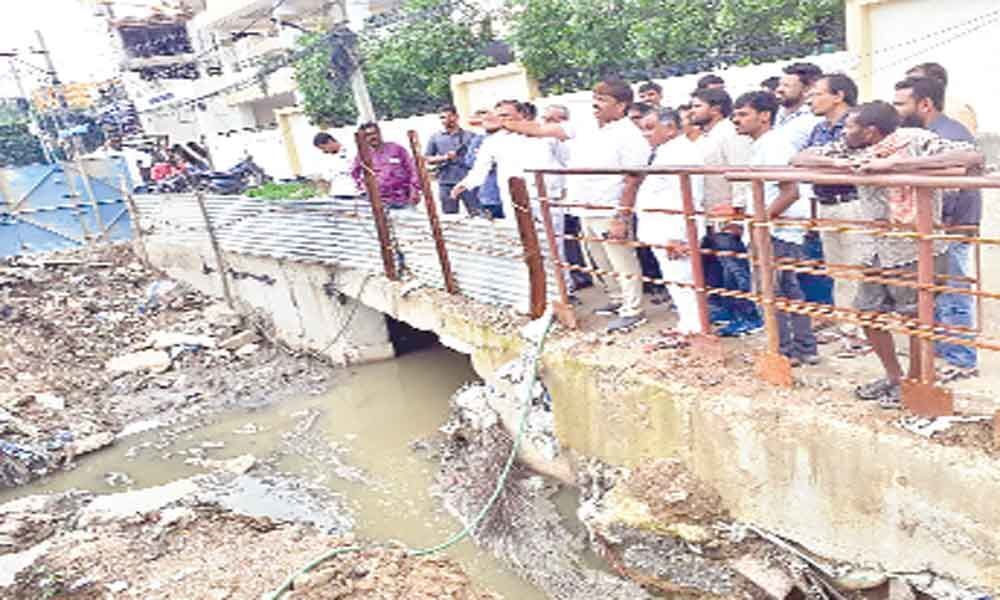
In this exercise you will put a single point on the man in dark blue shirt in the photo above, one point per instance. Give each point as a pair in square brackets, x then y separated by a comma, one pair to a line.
[446, 150]
[920, 102]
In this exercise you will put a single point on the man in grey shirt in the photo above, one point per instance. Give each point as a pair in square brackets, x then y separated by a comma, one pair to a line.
[920, 102]
[446, 150]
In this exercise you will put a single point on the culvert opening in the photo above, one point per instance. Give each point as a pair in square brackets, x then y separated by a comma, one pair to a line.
[406, 339]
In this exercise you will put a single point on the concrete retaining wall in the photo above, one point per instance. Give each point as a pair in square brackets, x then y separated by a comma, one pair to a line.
[852, 490]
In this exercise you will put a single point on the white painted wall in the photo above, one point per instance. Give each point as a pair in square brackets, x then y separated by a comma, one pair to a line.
[908, 32]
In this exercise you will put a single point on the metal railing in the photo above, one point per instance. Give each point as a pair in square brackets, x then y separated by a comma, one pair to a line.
[919, 394]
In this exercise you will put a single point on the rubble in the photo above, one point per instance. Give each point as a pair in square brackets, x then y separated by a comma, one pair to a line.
[523, 529]
[239, 340]
[94, 344]
[154, 361]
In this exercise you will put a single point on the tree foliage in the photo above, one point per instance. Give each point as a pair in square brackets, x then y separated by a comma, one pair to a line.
[566, 45]
[409, 57]
[18, 147]
[408, 62]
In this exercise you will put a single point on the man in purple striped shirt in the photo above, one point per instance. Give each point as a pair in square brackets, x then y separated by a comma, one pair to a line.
[395, 172]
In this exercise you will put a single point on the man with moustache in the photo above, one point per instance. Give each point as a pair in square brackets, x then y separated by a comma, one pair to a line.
[873, 142]
[651, 93]
[446, 150]
[920, 103]
[795, 120]
[754, 117]
[832, 97]
[616, 144]
[722, 145]
[667, 233]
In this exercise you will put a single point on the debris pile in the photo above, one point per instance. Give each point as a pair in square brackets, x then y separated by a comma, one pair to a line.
[524, 528]
[659, 525]
[92, 340]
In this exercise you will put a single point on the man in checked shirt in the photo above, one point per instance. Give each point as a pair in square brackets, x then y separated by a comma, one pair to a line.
[873, 142]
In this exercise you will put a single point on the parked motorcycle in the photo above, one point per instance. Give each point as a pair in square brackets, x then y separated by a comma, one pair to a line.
[244, 175]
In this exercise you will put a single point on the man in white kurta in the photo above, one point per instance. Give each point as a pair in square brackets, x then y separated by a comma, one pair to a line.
[668, 232]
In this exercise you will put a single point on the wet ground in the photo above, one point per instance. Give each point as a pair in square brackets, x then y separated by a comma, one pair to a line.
[352, 447]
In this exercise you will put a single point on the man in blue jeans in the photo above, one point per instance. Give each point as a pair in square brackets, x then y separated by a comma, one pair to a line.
[721, 144]
[754, 116]
[920, 102]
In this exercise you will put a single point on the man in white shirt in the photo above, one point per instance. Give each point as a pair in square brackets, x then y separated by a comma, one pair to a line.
[795, 119]
[338, 173]
[511, 153]
[616, 144]
[754, 116]
[663, 129]
[722, 145]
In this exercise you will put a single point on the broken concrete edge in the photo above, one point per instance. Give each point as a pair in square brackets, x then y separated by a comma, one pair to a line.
[683, 420]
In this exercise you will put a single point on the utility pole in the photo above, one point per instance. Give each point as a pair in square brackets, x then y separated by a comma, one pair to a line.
[366, 112]
[56, 83]
[16, 75]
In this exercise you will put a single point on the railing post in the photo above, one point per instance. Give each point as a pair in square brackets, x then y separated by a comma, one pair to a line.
[68, 173]
[432, 216]
[708, 345]
[378, 209]
[133, 210]
[216, 251]
[772, 366]
[563, 308]
[529, 241]
[921, 396]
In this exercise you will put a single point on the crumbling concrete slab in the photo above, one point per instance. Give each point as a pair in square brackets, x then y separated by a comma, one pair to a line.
[155, 361]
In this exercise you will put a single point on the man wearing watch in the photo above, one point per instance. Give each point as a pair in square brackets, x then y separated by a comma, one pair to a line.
[607, 219]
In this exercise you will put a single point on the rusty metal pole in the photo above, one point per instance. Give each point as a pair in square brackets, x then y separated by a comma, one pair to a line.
[529, 241]
[432, 216]
[216, 251]
[564, 309]
[378, 209]
[773, 367]
[697, 261]
[708, 345]
[922, 396]
[133, 210]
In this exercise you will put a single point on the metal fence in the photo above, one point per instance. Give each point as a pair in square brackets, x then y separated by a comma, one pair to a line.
[62, 206]
[920, 393]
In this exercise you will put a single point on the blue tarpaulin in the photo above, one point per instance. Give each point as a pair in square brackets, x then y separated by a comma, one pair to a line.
[47, 208]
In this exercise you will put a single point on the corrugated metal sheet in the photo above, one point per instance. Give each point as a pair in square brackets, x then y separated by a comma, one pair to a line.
[486, 256]
[48, 209]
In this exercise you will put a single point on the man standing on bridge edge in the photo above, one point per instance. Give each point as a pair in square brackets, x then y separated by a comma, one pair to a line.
[395, 173]
[607, 220]
[446, 150]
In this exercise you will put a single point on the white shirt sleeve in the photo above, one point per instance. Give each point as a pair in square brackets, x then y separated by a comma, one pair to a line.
[486, 158]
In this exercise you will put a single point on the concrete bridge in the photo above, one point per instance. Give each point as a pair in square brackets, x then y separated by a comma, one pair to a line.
[808, 462]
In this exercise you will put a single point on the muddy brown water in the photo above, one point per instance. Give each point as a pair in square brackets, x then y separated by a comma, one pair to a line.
[371, 416]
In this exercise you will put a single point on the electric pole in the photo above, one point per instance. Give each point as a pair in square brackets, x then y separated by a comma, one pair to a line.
[56, 83]
[366, 112]
[31, 112]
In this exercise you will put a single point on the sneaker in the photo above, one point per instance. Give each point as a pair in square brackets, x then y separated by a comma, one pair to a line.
[810, 359]
[876, 390]
[753, 324]
[892, 399]
[734, 329]
[719, 315]
[608, 310]
[625, 324]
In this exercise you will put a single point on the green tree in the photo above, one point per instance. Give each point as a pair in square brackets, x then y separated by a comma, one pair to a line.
[18, 147]
[566, 45]
[408, 62]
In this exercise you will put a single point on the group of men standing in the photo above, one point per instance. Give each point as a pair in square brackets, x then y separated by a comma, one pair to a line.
[810, 119]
